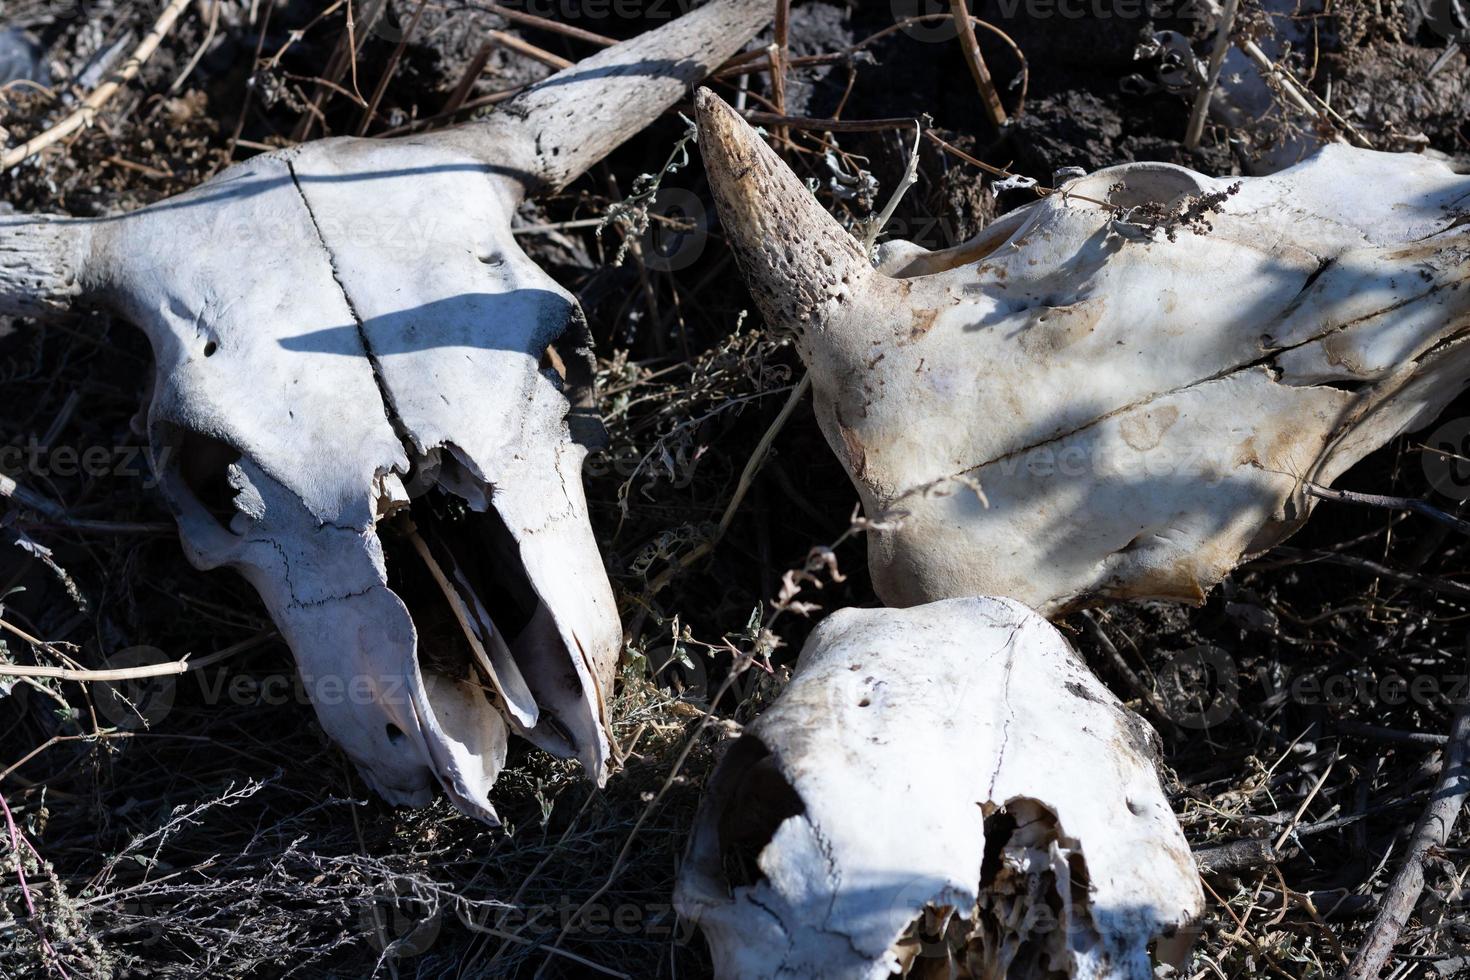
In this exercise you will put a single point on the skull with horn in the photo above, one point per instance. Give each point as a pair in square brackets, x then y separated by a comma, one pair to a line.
[1125, 387]
[349, 342]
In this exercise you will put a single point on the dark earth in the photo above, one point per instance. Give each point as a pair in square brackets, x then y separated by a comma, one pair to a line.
[229, 838]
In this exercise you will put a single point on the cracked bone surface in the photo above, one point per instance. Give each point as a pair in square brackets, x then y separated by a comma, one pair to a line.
[940, 791]
[1074, 406]
[346, 331]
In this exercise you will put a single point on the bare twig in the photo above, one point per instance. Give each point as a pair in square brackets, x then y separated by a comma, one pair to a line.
[1432, 831]
[751, 60]
[203, 48]
[1440, 585]
[93, 103]
[555, 27]
[780, 55]
[165, 669]
[1380, 734]
[1422, 507]
[371, 109]
[57, 514]
[962, 22]
[513, 43]
[1196, 129]
[742, 487]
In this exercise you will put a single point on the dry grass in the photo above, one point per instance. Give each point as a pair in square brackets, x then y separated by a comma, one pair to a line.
[230, 839]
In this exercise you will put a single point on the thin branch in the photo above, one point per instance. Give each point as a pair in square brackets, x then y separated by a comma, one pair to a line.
[966, 30]
[371, 109]
[530, 50]
[555, 27]
[742, 487]
[165, 669]
[1196, 129]
[93, 103]
[1431, 833]
[1421, 507]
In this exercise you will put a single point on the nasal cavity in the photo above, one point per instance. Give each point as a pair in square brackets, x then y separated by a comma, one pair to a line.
[202, 464]
[761, 801]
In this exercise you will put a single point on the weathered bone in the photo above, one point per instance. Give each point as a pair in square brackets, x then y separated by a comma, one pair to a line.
[344, 325]
[1075, 405]
[941, 791]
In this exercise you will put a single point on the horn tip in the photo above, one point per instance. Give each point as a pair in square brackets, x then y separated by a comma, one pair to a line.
[801, 265]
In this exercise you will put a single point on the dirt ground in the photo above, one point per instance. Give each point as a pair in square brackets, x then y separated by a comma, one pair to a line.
[229, 838]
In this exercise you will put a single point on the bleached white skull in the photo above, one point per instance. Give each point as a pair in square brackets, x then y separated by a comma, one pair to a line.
[1118, 390]
[348, 325]
[942, 791]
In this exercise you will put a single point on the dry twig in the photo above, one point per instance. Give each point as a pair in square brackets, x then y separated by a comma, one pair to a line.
[85, 113]
[1432, 831]
[1196, 128]
[962, 22]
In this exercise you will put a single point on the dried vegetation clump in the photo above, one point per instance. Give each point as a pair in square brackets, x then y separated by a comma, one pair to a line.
[1302, 708]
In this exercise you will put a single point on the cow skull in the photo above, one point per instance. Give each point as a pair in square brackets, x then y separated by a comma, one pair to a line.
[942, 791]
[1121, 389]
[346, 331]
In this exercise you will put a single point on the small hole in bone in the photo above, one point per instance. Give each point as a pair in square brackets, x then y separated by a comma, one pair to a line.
[494, 258]
[210, 348]
[864, 701]
[394, 733]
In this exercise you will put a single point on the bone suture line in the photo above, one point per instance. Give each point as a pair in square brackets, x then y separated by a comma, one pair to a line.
[516, 706]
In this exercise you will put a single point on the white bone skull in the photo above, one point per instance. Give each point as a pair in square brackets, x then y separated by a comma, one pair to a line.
[348, 325]
[942, 791]
[1075, 405]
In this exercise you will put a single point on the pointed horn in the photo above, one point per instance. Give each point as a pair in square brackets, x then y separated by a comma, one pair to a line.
[44, 263]
[570, 121]
[802, 267]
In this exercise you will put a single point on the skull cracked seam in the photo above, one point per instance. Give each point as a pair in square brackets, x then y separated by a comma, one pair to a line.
[369, 400]
[1119, 390]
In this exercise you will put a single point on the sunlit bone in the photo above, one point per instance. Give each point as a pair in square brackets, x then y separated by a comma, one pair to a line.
[942, 791]
[1090, 399]
[345, 325]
